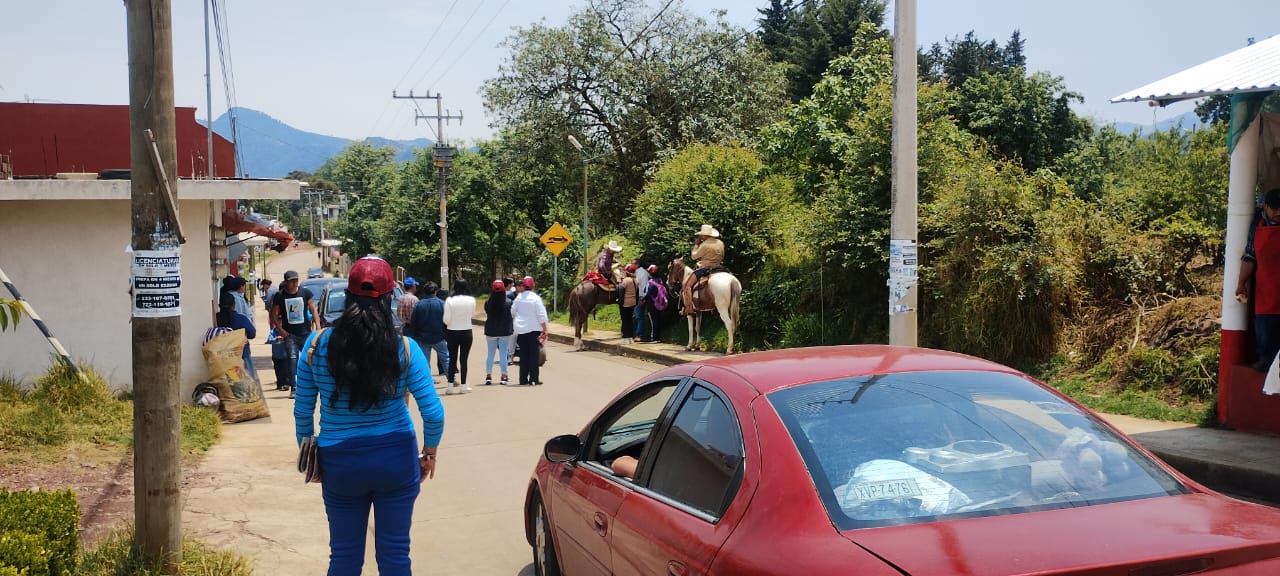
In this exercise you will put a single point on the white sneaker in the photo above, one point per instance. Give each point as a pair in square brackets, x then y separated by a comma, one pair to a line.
[466, 388]
[448, 391]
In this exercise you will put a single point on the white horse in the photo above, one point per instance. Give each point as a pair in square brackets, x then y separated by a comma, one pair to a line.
[725, 290]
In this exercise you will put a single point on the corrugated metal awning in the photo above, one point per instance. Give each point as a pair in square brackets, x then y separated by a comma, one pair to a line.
[1254, 68]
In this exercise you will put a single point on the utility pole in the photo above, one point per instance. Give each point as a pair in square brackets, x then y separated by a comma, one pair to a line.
[443, 159]
[156, 272]
[903, 249]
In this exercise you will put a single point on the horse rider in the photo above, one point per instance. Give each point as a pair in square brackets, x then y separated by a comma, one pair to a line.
[708, 251]
[606, 262]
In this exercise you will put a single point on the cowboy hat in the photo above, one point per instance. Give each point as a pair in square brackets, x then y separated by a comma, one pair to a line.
[707, 230]
[613, 246]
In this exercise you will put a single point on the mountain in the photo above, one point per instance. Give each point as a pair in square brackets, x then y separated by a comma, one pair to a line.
[1188, 121]
[270, 148]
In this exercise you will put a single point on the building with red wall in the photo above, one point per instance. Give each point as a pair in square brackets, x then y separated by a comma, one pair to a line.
[42, 140]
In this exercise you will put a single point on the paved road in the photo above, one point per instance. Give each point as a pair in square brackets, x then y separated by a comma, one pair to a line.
[247, 496]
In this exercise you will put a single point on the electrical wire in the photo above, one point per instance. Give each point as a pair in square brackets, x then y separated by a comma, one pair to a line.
[475, 37]
[451, 41]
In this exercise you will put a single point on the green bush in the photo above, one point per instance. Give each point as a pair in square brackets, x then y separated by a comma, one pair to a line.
[65, 389]
[10, 388]
[53, 515]
[25, 553]
[10, 571]
[201, 428]
[117, 554]
[1146, 368]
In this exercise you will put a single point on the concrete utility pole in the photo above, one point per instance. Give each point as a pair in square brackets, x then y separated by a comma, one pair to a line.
[903, 250]
[156, 317]
[443, 159]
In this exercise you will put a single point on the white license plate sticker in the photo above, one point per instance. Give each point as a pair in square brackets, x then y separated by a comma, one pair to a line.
[884, 490]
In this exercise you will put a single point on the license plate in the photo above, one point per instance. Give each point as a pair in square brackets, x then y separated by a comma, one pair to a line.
[884, 490]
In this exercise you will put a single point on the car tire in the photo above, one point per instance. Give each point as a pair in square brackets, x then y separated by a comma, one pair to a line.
[545, 562]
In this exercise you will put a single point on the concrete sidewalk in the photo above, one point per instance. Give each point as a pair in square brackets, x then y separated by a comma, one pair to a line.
[1238, 463]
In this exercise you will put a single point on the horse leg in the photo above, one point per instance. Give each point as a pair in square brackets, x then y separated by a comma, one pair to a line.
[693, 329]
[728, 326]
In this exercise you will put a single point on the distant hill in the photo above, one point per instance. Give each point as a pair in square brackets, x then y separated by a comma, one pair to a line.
[270, 148]
[1188, 121]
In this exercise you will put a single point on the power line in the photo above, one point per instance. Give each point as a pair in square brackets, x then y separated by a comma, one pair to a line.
[440, 24]
[475, 37]
[451, 41]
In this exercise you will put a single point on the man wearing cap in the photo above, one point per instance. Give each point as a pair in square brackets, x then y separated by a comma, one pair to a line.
[404, 308]
[289, 318]
[708, 251]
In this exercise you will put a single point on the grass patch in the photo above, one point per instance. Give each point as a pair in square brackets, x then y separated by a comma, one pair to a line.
[116, 555]
[1130, 401]
[63, 409]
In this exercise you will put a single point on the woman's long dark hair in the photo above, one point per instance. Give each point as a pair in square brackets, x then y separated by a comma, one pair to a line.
[364, 351]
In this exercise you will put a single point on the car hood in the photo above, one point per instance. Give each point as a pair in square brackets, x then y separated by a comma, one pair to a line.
[1165, 536]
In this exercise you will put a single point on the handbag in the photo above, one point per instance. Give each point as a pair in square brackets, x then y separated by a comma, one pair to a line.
[309, 460]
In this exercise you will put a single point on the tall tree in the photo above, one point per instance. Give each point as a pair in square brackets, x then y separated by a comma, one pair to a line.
[631, 83]
[807, 36]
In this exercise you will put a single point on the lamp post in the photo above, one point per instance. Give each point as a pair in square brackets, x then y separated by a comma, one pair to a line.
[586, 236]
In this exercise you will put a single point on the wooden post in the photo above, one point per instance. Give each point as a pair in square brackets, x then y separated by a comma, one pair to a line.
[157, 326]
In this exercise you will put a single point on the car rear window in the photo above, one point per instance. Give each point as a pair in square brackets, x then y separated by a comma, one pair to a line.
[337, 299]
[919, 446]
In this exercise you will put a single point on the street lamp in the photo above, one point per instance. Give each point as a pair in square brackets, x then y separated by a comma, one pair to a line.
[586, 236]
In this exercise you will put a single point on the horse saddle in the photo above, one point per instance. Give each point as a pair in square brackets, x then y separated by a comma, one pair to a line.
[703, 300]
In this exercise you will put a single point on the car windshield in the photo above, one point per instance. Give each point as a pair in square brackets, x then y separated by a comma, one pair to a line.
[915, 447]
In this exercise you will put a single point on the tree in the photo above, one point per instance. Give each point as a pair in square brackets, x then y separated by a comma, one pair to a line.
[958, 60]
[10, 313]
[1027, 118]
[362, 171]
[631, 84]
[806, 37]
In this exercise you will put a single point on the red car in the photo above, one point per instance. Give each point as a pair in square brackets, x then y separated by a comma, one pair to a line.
[872, 460]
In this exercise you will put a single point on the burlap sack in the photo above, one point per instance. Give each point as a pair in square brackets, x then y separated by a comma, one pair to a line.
[240, 393]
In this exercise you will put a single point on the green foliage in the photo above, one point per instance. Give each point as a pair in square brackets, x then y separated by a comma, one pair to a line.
[201, 429]
[23, 426]
[117, 555]
[721, 185]
[631, 82]
[25, 553]
[806, 36]
[53, 515]
[1024, 117]
[969, 57]
[10, 571]
[65, 389]
[11, 312]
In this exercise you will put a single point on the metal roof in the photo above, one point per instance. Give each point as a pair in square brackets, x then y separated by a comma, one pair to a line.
[1254, 68]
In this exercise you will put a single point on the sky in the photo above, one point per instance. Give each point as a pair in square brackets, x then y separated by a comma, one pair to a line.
[330, 67]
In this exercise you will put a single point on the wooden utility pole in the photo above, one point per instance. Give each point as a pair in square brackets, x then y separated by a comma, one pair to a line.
[442, 158]
[155, 273]
[903, 249]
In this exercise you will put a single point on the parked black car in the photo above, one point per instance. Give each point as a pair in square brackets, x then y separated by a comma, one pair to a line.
[334, 296]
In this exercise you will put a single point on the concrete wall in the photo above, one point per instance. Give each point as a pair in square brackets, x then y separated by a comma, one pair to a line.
[68, 260]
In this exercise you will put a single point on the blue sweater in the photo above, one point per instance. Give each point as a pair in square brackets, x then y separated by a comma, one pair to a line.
[390, 414]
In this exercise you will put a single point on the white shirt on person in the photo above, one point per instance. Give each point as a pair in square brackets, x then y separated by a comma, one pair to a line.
[528, 312]
[642, 282]
[458, 311]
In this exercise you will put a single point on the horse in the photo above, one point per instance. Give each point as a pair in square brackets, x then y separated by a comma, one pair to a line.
[583, 300]
[723, 287]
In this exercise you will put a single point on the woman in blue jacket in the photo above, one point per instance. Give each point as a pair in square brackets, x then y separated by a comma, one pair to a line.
[368, 451]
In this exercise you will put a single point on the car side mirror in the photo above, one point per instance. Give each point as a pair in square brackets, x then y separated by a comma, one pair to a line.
[563, 448]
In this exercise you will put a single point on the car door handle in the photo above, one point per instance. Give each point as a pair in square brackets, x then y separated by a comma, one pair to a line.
[601, 523]
[677, 568]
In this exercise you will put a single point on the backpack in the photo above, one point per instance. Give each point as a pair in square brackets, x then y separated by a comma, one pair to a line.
[658, 292]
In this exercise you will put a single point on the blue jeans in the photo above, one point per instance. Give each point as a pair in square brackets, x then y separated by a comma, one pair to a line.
[378, 471]
[1266, 328]
[442, 354]
[496, 344]
[640, 320]
[293, 347]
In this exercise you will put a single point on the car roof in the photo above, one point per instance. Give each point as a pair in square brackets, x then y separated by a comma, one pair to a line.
[777, 369]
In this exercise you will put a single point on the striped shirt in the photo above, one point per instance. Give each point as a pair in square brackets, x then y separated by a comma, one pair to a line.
[390, 414]
[404, 306]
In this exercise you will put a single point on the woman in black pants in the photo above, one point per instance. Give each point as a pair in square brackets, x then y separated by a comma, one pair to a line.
[459, 308]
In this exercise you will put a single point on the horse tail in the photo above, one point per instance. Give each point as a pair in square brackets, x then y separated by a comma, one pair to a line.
[574, 297]
[735, 290]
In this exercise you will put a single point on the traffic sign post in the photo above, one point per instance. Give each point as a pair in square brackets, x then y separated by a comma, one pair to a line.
[556, 239]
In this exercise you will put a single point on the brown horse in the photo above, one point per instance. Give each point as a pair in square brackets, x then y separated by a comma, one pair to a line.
[583, 300]
[719, 295]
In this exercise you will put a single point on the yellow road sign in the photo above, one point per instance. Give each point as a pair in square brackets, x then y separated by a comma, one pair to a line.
[556, 239]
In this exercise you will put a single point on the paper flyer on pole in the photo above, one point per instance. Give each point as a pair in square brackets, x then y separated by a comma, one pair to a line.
[156, 280]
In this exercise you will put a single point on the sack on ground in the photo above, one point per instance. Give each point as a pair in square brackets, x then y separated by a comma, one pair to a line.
[239, 392]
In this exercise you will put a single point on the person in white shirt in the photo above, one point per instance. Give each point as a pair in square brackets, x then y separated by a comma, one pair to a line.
[530, 318]
[642, 290]
[459, 308]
